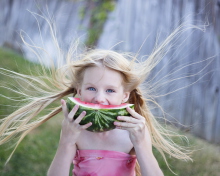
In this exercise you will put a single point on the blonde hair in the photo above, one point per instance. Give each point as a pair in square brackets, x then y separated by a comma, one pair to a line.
[62, 80]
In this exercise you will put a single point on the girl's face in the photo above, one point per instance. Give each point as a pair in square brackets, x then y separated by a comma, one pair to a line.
[102, 86]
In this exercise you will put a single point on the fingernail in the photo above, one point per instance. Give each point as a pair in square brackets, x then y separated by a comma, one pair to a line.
[62, 101]
[118, 117]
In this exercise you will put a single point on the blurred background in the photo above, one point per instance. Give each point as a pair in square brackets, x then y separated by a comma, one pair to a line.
[186, 81]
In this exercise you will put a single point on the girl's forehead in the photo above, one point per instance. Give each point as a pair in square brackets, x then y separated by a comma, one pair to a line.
[96, 75]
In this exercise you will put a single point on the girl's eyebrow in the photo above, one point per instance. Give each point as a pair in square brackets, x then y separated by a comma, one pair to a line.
[89, 84]
[111, 86]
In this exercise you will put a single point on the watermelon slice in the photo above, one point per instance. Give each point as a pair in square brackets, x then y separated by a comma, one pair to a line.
[101, 116]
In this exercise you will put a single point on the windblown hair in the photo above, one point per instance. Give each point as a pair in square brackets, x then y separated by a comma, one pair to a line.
[63, 79]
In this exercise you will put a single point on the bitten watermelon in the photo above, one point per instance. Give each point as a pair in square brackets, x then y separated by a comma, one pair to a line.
[101, 116]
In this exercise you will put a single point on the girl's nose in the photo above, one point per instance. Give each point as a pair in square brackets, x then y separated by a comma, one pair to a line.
[100, 98]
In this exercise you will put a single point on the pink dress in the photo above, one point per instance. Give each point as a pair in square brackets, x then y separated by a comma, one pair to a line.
[103, 163]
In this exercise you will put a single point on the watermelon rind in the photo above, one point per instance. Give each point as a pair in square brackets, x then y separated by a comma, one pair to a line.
[102, 119]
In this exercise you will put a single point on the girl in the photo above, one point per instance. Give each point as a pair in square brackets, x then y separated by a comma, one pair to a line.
[100, 77]
[105, 77]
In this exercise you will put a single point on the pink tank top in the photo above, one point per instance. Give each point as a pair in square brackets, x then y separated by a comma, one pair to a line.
[103, 163]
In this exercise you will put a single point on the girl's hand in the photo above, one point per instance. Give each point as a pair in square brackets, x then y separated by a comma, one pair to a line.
[136, 125]
[71, 128]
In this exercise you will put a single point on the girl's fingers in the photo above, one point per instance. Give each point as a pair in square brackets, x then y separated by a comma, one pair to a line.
[86, 125]
[128, 119]
[73, 112]
[133, 113]
[64, 108]
[80, 117]
[124, 125]
[78, 120]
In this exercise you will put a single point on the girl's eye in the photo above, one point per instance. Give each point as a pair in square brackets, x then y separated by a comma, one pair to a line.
[91, 88]
[110, 90]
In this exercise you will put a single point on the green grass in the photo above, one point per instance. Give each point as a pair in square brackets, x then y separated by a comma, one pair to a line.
[34, 154]
[36, 151]
[206, 159]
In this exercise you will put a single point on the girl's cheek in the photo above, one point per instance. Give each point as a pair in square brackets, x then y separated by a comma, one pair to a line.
[88, 97]
[115, 101]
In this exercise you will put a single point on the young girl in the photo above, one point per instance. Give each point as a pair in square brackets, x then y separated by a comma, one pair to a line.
[106, 77]
[100, 77]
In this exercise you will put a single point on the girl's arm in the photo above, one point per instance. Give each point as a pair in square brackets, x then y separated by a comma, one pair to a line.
[140, 137]
[61, 163]
[66, 151]
[148, 163]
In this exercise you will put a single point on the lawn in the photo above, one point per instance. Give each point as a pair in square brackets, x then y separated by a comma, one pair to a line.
[36, 151]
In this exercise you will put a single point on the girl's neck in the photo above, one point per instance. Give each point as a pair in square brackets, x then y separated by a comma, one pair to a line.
[103, 134]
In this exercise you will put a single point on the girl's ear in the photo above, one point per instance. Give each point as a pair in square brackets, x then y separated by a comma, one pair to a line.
[126, 97]
[79, 92]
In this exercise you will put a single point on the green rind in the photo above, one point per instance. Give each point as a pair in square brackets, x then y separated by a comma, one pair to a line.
[102, 119]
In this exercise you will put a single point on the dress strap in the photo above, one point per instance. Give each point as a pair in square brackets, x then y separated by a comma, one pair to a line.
[104, 153]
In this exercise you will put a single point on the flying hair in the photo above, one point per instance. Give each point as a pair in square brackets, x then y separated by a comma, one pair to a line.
[62, 79]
